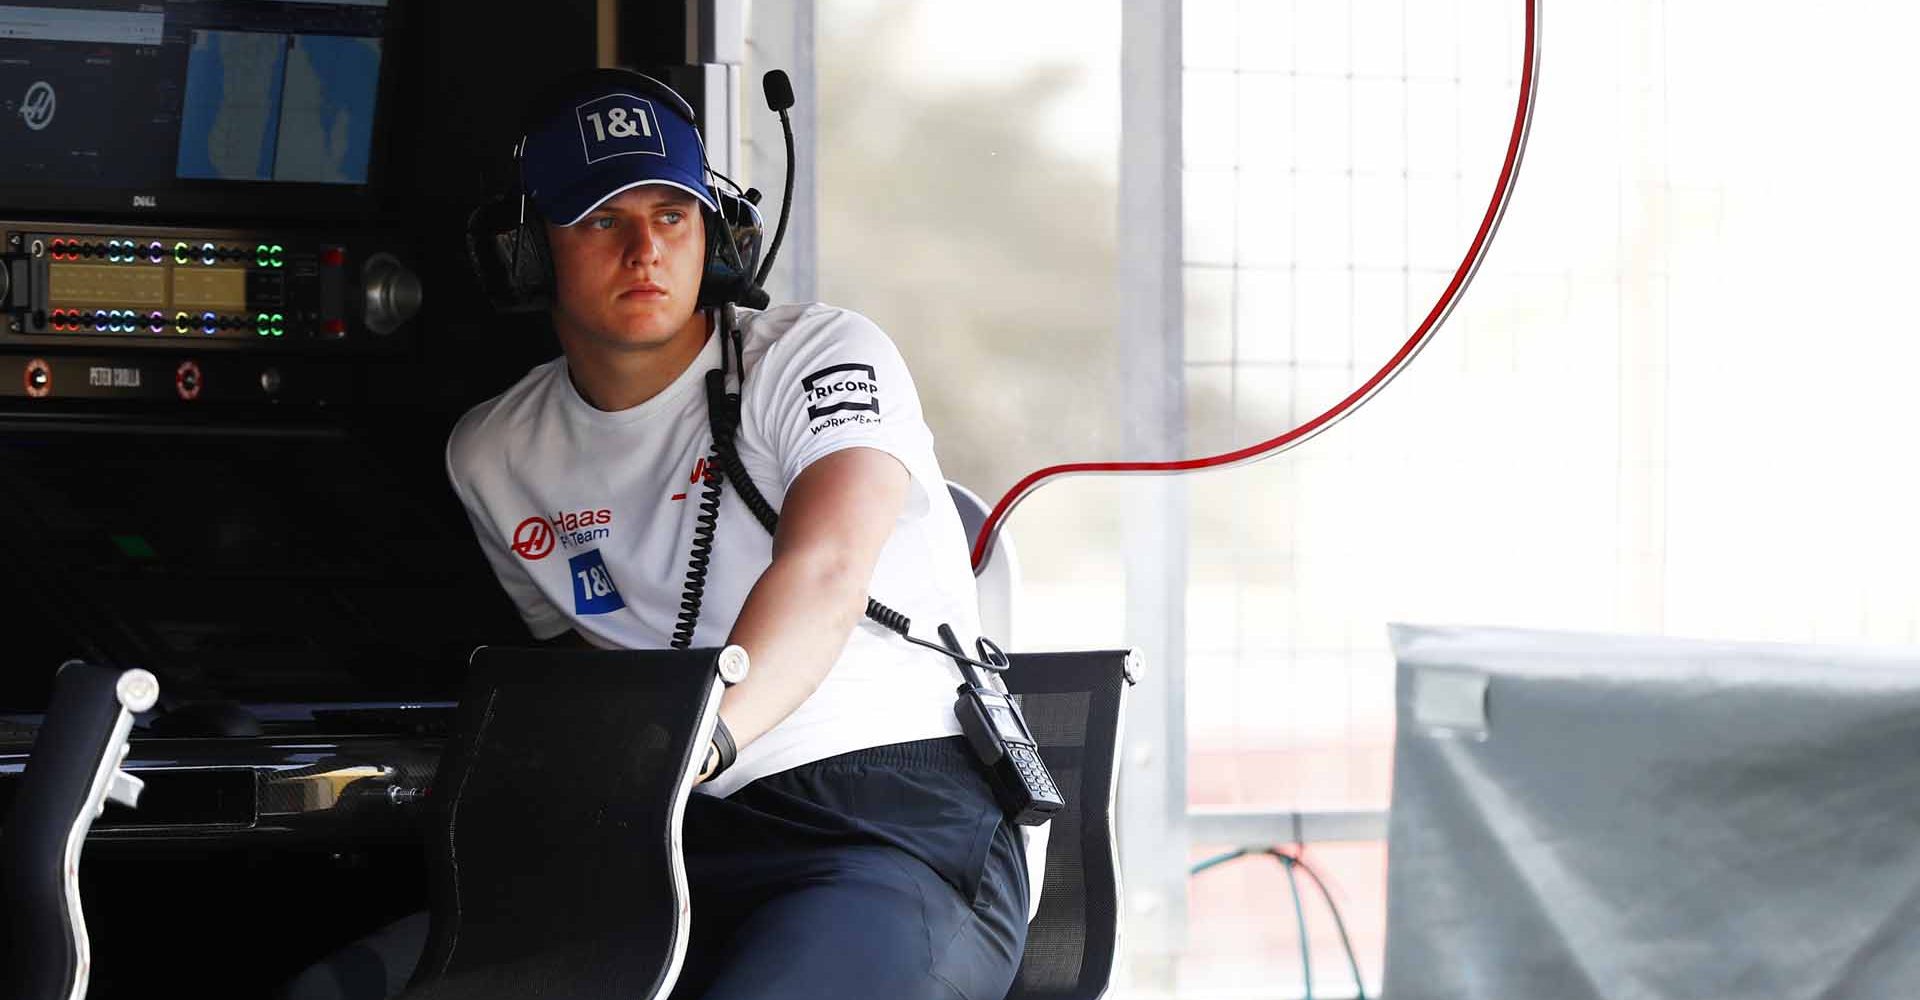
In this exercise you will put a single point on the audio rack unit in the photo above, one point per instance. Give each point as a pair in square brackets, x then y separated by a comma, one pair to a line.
[93, 313]
[89, 287]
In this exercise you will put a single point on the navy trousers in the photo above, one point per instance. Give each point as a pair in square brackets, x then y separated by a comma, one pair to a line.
[887, 873]
[884, 873]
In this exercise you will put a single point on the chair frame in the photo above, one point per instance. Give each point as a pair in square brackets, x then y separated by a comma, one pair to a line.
[73, 719]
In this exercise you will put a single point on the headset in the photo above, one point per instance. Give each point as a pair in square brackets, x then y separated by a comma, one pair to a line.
[507, 240]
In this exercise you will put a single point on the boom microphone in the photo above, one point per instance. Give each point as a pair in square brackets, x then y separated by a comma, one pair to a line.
[779, 90]
[779, 98]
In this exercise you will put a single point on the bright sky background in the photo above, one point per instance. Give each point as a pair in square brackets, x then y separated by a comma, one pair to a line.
[966, 42]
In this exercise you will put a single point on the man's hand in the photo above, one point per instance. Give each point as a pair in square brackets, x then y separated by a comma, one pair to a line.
[835, 520]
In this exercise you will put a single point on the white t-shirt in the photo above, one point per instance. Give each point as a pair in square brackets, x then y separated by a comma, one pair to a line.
[588, 518]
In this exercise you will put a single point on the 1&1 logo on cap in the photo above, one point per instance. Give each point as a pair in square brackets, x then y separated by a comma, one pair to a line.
[593, 589]
[618, 124]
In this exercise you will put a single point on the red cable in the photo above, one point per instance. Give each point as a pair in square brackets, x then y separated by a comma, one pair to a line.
[1489, 223]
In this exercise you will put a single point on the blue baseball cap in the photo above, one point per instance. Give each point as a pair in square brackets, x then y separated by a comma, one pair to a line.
[612, 133]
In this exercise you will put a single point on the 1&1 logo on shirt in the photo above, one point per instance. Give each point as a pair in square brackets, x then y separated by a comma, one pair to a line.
[593, 589]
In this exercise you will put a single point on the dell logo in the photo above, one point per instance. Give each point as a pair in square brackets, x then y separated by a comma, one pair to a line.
[145, 201]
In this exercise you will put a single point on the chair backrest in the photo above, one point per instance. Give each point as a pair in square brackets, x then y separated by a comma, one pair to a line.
[71, 772]
[997, 580]
[555, 867]
[1073, 703]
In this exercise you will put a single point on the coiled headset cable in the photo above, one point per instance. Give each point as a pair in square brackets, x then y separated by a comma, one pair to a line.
[706, 523]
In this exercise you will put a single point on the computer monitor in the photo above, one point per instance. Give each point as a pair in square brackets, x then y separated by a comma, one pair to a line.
[225, 109]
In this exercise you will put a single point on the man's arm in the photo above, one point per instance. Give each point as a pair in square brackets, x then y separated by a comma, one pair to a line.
[835, 520]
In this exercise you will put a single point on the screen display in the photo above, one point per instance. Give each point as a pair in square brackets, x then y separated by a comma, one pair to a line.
[72, 284]
[219, 288]
[159, 96]
[1005, 721]
[87, 286]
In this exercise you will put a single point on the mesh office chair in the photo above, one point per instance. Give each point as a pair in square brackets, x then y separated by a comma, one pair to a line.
[555, 863]
[1074, 704]
[73, 769]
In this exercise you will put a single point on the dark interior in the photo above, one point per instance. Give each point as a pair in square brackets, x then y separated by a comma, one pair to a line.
[295, 571]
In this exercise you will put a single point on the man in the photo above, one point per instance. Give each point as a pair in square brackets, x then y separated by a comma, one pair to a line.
[853, 848]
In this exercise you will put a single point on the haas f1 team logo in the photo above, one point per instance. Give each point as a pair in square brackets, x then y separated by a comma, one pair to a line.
[535, 537]
[36, 109]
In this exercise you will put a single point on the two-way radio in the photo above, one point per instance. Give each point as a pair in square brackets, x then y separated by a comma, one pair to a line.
[1001, 740]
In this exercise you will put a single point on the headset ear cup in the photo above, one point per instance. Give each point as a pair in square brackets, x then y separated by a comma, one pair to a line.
[511, 261]
[729, 271]
[748, 231]
[534, 275]
[484, 227]
[720, 282]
